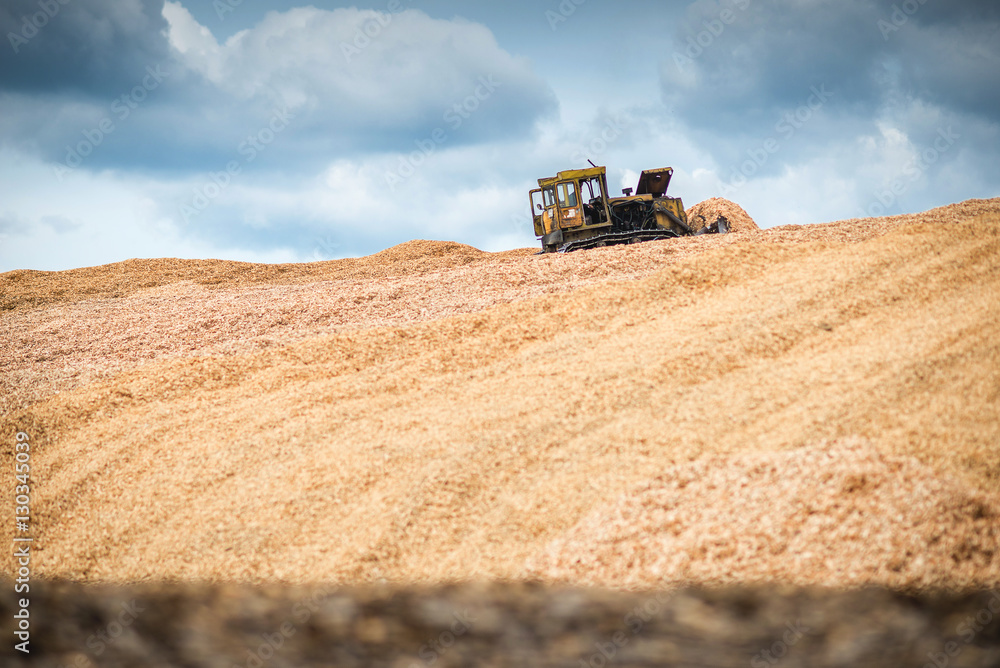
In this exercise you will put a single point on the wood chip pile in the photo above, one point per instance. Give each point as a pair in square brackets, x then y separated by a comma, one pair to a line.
[807, 404]
[780, 517]
[708, 212]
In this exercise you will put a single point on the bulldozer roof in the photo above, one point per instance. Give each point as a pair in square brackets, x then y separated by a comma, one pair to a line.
[573, 175]
[651, 182]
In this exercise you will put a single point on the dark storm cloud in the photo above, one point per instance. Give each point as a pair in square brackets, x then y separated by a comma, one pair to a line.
[953, 66]
[814, 75]
[738, 64]
[92, 47]
[947, 13]
[96, 91]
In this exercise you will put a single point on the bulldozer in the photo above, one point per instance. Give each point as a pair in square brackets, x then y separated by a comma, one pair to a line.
[572, 211]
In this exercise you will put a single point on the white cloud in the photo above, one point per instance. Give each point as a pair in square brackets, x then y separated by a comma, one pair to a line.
[193, 41]
[360, 67]
[96, 219]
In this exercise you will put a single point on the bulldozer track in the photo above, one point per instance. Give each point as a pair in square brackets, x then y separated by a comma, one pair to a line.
[614, 239]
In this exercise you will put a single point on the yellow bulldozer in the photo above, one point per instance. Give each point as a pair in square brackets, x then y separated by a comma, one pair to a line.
[572, 211]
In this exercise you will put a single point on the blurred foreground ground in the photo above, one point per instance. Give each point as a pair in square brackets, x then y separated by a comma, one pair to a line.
[514, 625]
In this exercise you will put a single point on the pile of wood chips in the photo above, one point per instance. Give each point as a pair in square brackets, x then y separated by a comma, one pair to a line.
[838, 514]
[679, 411]
[708, 212]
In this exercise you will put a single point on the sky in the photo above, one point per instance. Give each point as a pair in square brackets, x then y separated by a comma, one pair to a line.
[274, 131]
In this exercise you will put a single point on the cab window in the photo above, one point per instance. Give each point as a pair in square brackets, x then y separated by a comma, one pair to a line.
[567, 194]
[536, 202]
[592, 189]
[549, 197]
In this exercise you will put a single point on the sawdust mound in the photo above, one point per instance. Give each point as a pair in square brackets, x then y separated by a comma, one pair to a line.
[361, 420]
[783, 517]
[437, 254]
[707, 212]
[29, 288]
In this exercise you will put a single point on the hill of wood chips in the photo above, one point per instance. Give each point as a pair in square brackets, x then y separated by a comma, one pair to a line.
[705, 213]
[808, 404]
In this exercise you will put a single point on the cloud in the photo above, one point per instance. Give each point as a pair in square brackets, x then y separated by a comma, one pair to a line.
[60, 224]
[780, 91]
[9, 224]
[736, 65]
[94, 48]
[347, 92]
[347, 209]
[96, 218]
[361, 77]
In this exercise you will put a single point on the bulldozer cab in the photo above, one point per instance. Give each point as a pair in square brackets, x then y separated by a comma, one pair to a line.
[572, 202]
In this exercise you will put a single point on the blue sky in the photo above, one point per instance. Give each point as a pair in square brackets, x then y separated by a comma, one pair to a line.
[268, 130]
